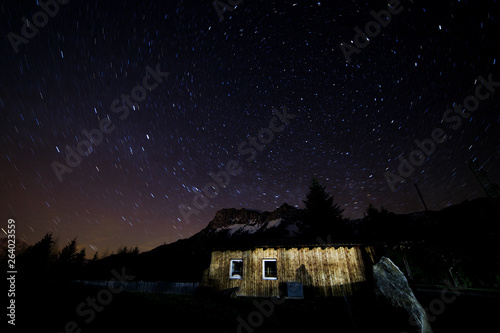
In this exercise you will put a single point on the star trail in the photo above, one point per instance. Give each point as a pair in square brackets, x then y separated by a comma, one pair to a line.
[117, 115]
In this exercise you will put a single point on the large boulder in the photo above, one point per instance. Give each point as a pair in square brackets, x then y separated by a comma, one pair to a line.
[393, 286]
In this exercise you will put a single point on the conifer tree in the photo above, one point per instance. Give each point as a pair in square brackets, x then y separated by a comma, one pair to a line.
[37, 261]
[320, 213]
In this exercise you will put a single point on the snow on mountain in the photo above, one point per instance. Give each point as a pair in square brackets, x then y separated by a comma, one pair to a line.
[249, 228]
[273, 224]
[283, 221]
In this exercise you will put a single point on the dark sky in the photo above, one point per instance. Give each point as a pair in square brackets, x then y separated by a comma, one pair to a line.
[352, 119]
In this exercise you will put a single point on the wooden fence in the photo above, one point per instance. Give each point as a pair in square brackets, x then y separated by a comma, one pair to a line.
[158, 287]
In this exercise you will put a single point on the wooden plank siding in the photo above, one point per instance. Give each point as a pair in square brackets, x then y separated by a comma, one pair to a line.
[322, 270]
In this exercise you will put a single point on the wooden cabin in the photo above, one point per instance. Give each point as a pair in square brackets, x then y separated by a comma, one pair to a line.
[318, 270]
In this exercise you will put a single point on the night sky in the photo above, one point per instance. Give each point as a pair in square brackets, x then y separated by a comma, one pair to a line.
[348, 122]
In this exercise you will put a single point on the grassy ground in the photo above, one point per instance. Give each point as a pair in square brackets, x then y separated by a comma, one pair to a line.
[50, 309]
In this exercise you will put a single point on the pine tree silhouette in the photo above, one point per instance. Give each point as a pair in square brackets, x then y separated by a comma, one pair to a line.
[37, 261]
[321, 214]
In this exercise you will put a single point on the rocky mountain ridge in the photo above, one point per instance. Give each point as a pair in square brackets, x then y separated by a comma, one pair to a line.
[283, 221]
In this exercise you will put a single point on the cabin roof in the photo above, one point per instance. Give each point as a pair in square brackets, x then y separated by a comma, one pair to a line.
[288, 246]
[286, 243]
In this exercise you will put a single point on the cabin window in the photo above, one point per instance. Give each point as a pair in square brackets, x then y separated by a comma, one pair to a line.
[269, 269]
[236, 271]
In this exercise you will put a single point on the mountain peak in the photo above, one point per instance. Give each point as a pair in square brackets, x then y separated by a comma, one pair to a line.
[246, 221]
[229, 216]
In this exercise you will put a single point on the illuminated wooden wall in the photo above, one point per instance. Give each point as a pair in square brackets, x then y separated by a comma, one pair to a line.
[322, 271]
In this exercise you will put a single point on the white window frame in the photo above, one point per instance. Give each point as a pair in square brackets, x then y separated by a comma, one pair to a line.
[264, 269]
[231, 269]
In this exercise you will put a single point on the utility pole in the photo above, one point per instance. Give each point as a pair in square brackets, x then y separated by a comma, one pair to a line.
[421, 198]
